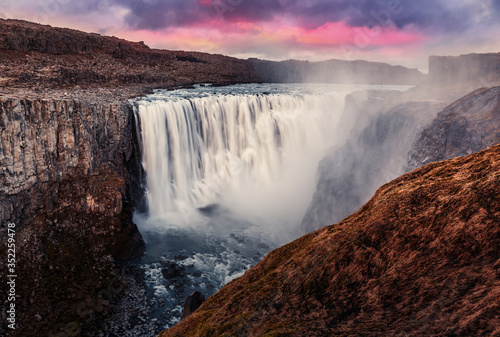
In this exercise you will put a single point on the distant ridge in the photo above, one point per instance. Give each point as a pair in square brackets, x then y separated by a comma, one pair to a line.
[451, 77]
[41, 55]
[336, 71]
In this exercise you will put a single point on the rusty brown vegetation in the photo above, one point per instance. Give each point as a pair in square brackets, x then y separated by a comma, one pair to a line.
[420, 258]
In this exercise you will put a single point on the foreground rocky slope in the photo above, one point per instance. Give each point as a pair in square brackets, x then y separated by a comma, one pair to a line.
[420, 258]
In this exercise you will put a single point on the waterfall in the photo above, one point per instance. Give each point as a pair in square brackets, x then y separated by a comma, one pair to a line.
[255, 155]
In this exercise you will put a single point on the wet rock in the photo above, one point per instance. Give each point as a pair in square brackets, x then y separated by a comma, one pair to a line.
[180, 257]
[171, 271]
[209, 209]
[192, 303]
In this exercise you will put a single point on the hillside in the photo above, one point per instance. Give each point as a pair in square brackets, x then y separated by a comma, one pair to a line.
[46, 57]
[420, 258]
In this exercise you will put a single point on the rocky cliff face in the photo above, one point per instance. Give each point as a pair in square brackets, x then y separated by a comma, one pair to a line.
[65, 183]
[420, 258]
[375, 151]
[453, 70]
[452, 77]
[43, 141]
[395, 134]
[466, 126]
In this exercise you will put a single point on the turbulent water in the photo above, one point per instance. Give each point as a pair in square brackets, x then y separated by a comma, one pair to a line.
[229, 175]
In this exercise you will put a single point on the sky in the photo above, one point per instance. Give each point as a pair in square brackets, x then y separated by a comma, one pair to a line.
[402, 32]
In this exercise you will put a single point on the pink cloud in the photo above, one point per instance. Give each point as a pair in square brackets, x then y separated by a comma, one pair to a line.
[282, 40]
[334, 34]
[217, 33]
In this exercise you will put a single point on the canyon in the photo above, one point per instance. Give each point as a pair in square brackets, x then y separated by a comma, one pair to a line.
[71, 178]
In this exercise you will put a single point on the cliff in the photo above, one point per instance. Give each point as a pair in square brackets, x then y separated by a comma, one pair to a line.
[390, 136]
[452, 77]
[336, 71]
[452, 70]
[467, 126]
[382, 132]
[420, 258]
[43, 57]
[43, 141]
[69, 180]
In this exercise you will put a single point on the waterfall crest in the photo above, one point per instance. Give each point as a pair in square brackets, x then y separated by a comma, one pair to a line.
[253, 154]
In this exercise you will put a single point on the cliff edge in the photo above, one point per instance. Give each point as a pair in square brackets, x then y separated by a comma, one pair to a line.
[451, 77]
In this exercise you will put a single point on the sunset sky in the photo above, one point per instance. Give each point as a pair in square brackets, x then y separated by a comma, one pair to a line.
[394, 31]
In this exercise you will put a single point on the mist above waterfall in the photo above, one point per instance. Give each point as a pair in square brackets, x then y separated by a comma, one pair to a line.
[253, 156]
[241, 156]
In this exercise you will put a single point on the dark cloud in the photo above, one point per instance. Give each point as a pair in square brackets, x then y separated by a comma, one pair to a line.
[157, 14]
[496, 7]
[423, 14]
[255, 10]
[426, 15]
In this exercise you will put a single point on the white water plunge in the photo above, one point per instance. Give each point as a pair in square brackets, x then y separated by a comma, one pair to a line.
[252, 156]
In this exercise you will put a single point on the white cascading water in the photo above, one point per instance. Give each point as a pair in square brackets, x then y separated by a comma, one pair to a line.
[230, 173]
[254, 155]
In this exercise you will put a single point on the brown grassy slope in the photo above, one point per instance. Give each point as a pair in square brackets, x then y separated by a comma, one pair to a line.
[420, 258]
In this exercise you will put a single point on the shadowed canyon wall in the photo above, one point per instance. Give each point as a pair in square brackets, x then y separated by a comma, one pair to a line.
[394, 133]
